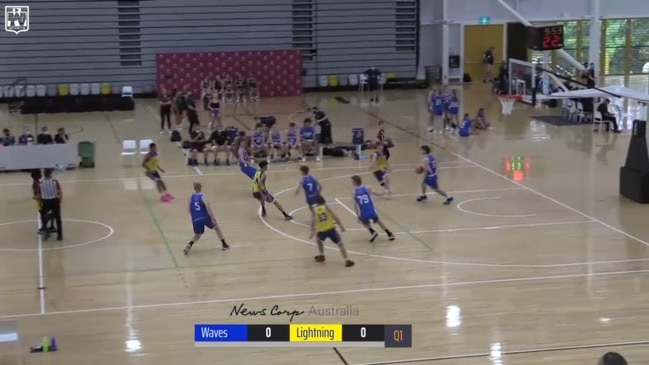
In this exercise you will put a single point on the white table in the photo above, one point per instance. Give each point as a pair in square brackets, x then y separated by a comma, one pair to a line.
[38, 157]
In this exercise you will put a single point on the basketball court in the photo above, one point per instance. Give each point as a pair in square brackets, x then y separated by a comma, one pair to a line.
[538, 260]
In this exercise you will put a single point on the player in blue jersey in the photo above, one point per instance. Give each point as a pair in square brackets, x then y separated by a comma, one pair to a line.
[308, 140]
[276, 148]
[453, 109]
[259, 141]
[466, 128]
[429, 169]
[365, 210]
[292, 141]
[310, 185]
[202, 216]
[435, 108]
[446, 101]
[245, 162]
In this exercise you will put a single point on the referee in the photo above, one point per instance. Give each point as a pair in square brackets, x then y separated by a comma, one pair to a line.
[50, 191]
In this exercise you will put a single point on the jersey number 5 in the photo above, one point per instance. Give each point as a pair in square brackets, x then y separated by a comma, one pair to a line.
[197, 206]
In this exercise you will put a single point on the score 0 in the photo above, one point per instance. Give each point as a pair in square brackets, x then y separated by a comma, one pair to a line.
[363, 333]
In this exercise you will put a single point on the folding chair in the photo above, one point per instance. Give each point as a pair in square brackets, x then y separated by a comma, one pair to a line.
[129, 148]
[143, 146]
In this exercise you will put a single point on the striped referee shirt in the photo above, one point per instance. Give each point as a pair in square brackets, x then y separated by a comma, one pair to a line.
[49, 189]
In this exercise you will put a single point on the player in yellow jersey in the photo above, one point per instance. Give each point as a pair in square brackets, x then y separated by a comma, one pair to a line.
[152, 170]
[323, 226]
[260, 193]
[381, 167]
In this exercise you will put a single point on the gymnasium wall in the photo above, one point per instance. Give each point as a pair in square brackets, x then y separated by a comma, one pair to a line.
[117, 41]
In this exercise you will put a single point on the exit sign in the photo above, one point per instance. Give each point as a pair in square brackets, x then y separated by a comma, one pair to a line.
[484, 20]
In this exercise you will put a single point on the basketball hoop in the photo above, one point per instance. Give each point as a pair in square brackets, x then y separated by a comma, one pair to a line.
[507, 102]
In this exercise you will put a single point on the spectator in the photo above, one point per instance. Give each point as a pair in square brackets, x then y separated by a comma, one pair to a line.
[61, 137]
[373, 77]
[590, 76]
[198, 143]
[481, 120]
[192, 113]
[26, 138]
[322, 120]
[502, 82]
[165, 112]
[44, 137]
[488, 61]
[607, 116]
[7, 138]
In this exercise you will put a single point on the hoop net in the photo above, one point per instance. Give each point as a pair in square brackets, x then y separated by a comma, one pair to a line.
[507, 103]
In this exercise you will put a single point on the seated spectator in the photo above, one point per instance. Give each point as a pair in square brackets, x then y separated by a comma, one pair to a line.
[7, 138]
[198, 143]
[608, 116]
[481, 120]
[44, 137]
[26, 138]
[219, 143]
[61, 137]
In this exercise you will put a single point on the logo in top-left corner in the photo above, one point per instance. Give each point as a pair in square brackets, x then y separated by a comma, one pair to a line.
[16, 18]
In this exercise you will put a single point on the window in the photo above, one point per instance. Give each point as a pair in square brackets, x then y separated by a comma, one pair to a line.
[615, 47]
[639, 33]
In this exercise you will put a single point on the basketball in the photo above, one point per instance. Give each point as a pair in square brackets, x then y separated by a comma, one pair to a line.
[419, 170]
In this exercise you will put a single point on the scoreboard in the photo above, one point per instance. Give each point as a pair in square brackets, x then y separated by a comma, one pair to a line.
[302, 335]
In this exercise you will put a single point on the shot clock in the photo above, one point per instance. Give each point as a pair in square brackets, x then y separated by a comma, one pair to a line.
[545, 38]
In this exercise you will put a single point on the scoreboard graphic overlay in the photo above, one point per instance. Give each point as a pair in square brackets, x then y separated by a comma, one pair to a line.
[303, 335]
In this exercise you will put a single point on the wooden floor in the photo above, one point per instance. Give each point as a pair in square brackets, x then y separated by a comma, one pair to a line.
[538, 261]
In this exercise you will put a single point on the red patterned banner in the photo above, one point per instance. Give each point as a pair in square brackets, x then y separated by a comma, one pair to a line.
[279, 73]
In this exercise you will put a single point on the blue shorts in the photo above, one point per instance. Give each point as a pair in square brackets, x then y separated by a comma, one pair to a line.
[265, 195]
[453, 111]
[438, 112]
[153, 175]
[431, 181]
[331, 234]
[248, 170]
[463, 133]
[380, 175]
[292, 145]
[215, 113]
[201, 223]
[369, 219]
[310, 200]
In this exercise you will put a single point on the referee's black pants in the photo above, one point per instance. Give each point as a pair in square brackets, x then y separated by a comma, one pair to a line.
[53, 207]
[165, 114]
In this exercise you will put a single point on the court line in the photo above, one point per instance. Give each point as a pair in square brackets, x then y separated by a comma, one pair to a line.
[336, 292]
[297, 239]
[475, 264]
[447, 165]
[450, 192]
[41, 271]
[512, 352]
[564, 205]
[460, 204]
[111, 231]
[404, 229]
